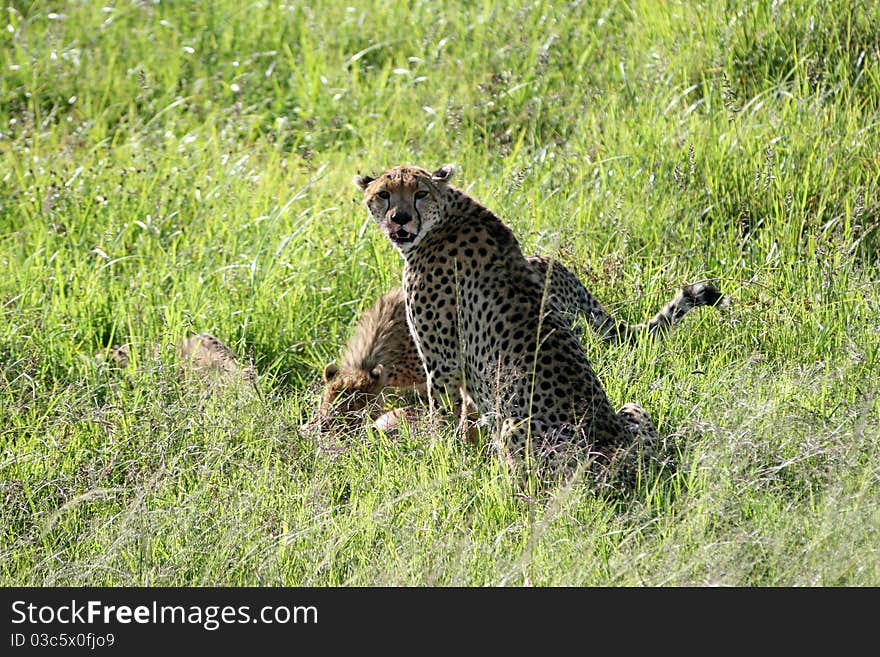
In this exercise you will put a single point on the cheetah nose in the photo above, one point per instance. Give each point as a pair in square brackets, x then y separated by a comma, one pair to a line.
[400, 217]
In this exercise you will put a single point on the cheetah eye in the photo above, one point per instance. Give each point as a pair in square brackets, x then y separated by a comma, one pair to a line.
[419, 195]
[384, 195]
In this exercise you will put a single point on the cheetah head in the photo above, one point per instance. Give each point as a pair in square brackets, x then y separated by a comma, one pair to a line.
[348, 392]
[406, 201]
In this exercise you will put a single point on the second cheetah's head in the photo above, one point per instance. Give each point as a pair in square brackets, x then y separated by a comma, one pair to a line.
[348, 393]
[406, 201]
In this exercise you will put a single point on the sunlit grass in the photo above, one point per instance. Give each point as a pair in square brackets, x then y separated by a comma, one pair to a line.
[178, 167]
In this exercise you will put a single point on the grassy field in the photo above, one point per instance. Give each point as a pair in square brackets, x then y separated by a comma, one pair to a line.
[177, 167]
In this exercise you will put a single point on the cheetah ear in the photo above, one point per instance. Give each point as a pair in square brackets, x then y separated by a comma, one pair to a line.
[443, 174]
[376, 372]
[330, 371]
[363, 181]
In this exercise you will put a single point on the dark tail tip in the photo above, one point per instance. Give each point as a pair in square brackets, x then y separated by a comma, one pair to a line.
[703, 294]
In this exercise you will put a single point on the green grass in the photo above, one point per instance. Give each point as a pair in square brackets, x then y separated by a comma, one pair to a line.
[183, 166]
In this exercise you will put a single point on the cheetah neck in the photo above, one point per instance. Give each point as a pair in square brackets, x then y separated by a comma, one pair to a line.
[458, 204]
[460, 209]
[379, 337]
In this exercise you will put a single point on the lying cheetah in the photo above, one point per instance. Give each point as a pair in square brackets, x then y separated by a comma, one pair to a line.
[381, 352]
[200, 355]
[481, 325]
[205, 354]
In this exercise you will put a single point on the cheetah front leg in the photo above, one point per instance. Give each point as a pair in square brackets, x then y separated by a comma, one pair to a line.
[445, 385]
[441, 381]
[447, 389]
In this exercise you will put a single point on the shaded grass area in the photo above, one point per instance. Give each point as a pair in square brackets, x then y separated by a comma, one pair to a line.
[185, 167]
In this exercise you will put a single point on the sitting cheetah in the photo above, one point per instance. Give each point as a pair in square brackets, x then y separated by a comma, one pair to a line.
[477, 314]
[381, 352]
